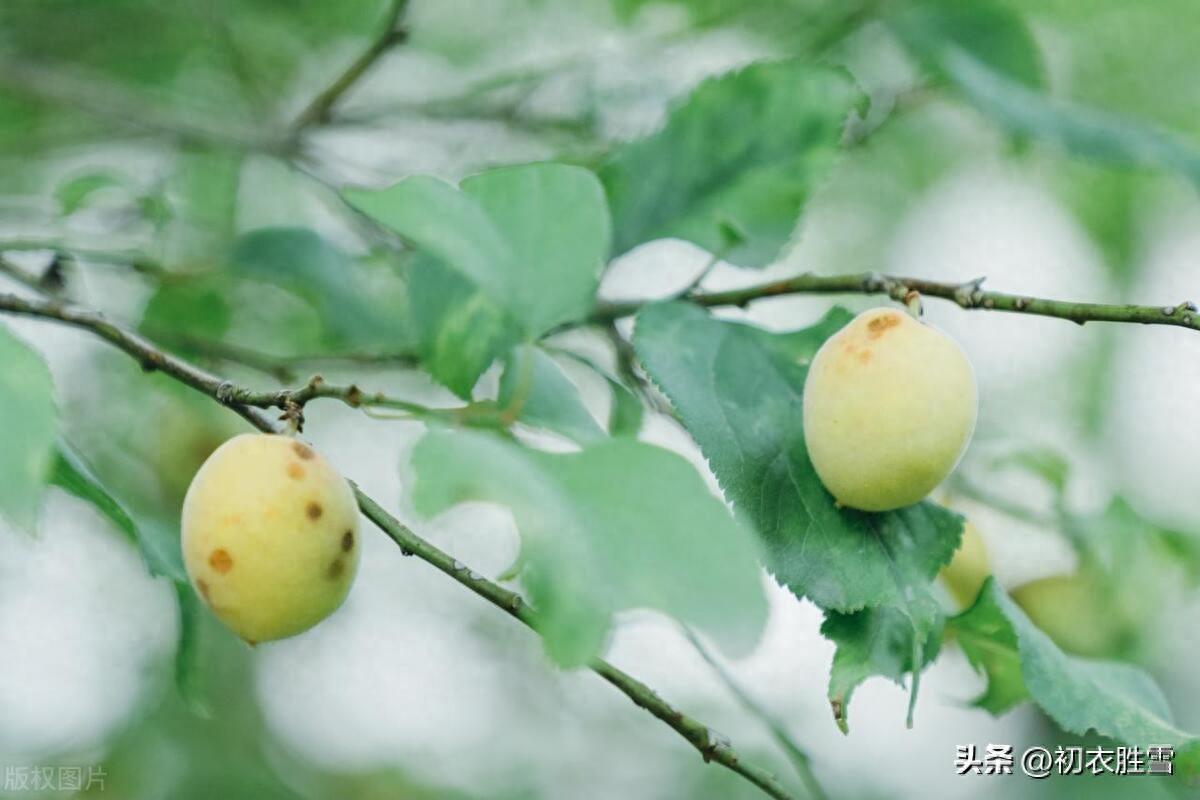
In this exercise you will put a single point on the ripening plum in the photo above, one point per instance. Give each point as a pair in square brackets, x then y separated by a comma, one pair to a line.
[889, 406]
[270, 536]
[1078, 614]
[968, 569]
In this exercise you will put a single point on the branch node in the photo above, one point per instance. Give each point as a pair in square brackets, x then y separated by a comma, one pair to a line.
[225, 392]
[293, 415]
[715, 742]
[151, 362]
[874, 282]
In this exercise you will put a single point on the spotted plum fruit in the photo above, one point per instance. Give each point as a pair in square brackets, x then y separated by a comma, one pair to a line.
[270, 536]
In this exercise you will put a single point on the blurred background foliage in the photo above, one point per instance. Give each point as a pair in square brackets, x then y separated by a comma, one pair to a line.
[181, 165]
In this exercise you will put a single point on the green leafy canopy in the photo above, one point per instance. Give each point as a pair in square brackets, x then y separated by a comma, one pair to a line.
[506, 256]
[734, 163]
[986, 53]
[1115, 700]
[619, 524]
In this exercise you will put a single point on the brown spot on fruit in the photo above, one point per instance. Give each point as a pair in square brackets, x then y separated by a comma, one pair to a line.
[303, 450]
[313, 510]
[347, 541]
[877, 326]
[294, 470]
[202, 587]
[336, 568]
[220, 560]
[864, 356]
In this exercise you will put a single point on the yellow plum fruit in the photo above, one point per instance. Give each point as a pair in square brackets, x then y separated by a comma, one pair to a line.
[1077, 613]
[968, 569]
[889, 407]
[270, 536]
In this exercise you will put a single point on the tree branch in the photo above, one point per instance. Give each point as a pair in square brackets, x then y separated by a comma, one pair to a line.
[283, 368]
[969, 294]
[11, 270]
[707, 742]
[138, 262]
[795, 753]
[321, 107]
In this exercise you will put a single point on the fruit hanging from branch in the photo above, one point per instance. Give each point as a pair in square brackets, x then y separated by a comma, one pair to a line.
[270, 536]
[889, 407]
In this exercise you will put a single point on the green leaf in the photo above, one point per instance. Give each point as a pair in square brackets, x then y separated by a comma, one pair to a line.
[203, 193]
[193, 307]
[301, 262]
[807, 27]
[1046, 463]
[31, 426]
[531, 238]
[875, 641]
[625, 416]
[743, 153]
[617, 525]
[801, 345]
[71, 473]
[739, 392]
[1081, 130]
[996, 36]
[533, 383]
[556, 221]
[73, 194]
[1115, 700]
[458, 329]
[188, 667]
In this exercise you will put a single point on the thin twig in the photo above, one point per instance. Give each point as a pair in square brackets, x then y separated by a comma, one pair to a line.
[709, 744]
[283, 368]
[320, 109]
[134, 260]
[969, 294]
[93, 96]
[795, 753]
[19, 275]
